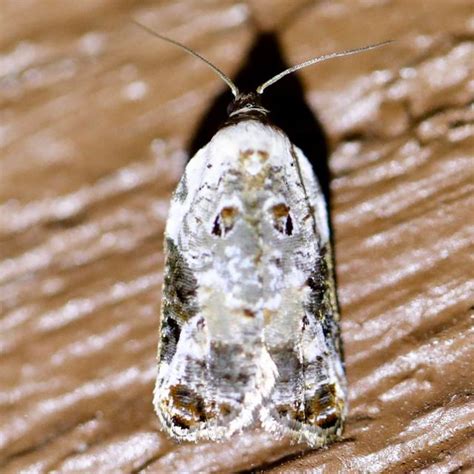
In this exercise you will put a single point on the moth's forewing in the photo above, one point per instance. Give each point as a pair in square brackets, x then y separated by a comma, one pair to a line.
[249, 319]
[302, 333]
[213, 370]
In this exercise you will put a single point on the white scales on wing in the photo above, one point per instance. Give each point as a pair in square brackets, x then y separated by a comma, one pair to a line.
[249, 329]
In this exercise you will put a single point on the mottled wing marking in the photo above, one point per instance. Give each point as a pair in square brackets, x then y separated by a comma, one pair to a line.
[249, 322]
[303, 337]
[180, 406]
[213, 369]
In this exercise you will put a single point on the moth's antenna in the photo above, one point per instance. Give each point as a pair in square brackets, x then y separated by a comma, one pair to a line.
[227, 80]
[318, 59]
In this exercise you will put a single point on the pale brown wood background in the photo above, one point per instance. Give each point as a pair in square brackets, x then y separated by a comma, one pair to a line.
[97, 119]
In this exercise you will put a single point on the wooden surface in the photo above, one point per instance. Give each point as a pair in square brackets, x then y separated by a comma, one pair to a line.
[97, 119]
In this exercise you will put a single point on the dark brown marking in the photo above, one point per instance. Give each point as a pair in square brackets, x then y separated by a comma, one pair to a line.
[290, 412]
[225, 409]
[224, 221]
[328, 419]
[181, 422]
[228, 215]
[280, 210]
[189, 405]
[282, 219]
[249, 313]
[323, 409]
[242, 378]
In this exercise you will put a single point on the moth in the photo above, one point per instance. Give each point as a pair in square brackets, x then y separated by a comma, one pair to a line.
[249, 327]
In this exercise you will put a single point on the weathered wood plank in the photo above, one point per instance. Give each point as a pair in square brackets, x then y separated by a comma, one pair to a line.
[96, 119]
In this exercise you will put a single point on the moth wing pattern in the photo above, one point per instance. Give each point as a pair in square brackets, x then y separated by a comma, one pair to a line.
[249, 327]
[249, 324]
[308, 400]
[249, 321]
[212, 370]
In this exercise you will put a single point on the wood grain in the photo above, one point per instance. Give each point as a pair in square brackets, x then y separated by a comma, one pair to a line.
[97, 119]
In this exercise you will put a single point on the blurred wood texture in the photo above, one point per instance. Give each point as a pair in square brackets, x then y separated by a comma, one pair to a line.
[96, 122]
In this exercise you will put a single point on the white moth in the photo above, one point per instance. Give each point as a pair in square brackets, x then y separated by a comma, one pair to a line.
[249, 331]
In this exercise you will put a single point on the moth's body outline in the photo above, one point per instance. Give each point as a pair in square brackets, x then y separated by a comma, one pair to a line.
[233, 287]
[261, 185]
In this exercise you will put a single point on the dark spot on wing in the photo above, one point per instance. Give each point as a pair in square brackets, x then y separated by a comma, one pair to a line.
[224, 221]
[249, 313]
[179, 299]
[225, 409]
[317, 281]
[188, 405]
[181, 422]
[282, 221]
[170, 332]
[324, 409]
[216, 227]
[328, 419]
[288, 225]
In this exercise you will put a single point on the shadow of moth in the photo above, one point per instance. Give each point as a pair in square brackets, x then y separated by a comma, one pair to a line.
[249, 328]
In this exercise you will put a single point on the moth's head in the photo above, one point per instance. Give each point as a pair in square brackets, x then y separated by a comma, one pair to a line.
[247, 105]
